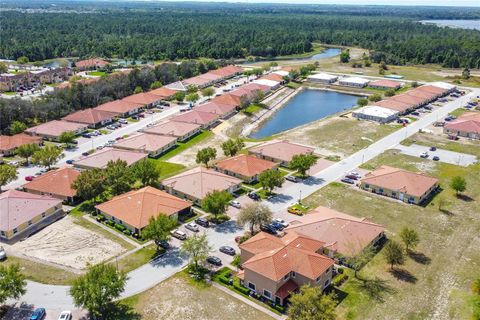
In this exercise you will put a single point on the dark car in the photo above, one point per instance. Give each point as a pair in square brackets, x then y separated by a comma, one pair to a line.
[254, 196]
[277, 225]
[214, 260]
[202, 222]
[433, 148]
[268, 229]
[436, 158]
[351, 176]
[85, 154]
[86, 135]
[38, 314]
[70, 161]
[348, 180]
[227, 250]
[415, 113]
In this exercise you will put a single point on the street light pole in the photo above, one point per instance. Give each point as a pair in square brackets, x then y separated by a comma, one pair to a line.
[300, 199]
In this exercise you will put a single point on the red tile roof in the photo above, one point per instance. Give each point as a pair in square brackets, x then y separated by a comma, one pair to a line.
[173, 128]
[216, 108]
[468, 122]
[163, 92]
[55, 128]
[91, 63]
[282, 150]
[119, 106]
[8, 143]
[227, 99]
[145, 142]
[227, 71]
[245, 165]
[100, 159]
[90, 116]
[273, 77]
[197, 117]
[143, 98]
[385, 84]
[56, 182]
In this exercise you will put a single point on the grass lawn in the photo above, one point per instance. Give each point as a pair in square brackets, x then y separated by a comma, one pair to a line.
[252, 109]
[137, 258]
[441, 142]
[181, 146]
[434, 282]
[9, 93]
[167, 169]
[96, 73]
[40, 272]
[180, 298]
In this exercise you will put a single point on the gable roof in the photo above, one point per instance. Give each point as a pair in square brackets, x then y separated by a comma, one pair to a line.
[101, 158]
[467, 122]
[411, 183]
[199, 181]
[227, 99]
[57, 182]
[282, 150]
[138, 206]
[90, 116]
[385, 83]
[163, 92]
[119, 106]
[145, 142]
[143, 98]
[227, 71]
[17, 207]
[55, 128]
[273, 76]
[88, 63]
[197, 117]
[216, 108]
[245, 165]
[173, 128]
[17, 140]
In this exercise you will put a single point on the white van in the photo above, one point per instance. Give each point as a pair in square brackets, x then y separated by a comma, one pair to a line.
[179, 234]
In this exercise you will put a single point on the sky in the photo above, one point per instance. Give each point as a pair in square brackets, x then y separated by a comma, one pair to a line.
[456, 3]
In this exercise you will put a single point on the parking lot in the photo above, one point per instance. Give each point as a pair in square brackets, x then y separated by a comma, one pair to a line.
[456, 158]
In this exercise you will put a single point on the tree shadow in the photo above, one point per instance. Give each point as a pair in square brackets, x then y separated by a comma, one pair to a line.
[375, 288]
[419, 257]
[340, 295]
[446, 212]
[403, 275]
[311, 181]
[464, 197]
[115, 311]
[16, 312]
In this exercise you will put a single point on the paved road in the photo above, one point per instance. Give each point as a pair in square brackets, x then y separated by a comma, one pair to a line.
[143, 278]
[457, 158]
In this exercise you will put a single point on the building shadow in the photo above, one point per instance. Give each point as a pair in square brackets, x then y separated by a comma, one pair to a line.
[403, 275]
[280, 198]
[227, 227]
[16, 312]
[419, 257]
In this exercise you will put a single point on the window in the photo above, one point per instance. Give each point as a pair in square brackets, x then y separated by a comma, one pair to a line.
[120, 221]
[251, 286]
[43, 215]
[287, 276]
[30, 222]
[2, 233]
[327, 283]
[319, 279]
[267, 294]
[15, 230]
[367, 186]
[293, 274]
[380, 190]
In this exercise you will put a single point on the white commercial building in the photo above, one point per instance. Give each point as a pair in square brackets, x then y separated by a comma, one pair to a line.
[270, 83]
[283, 73]
[322, 78]
[375, 113]
[354, 82]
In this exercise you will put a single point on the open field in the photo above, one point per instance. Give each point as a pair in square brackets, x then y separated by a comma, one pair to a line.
[342, 136]
[136, 259]
[435, 281]
[182, 146]
[167, 169]
[178, 298]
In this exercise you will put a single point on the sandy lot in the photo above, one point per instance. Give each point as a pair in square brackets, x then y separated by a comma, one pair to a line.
[68, 244]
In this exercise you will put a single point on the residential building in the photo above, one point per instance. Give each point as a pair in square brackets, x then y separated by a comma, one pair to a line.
[9, 144]
[274, 85]
[227, 72]
[101, 158]
[91, 64]
[375, 113]
[196, 183]
[322, 78]
[52, 130]
[204, 119]
[245, 167]
[228, 99]
[385, 84]
[121, 108]
[224, 111]
[277, 267]
[279, 151]
[147, 99]
[274, 76]
[181, 130]
[55, 183]
[134, 209]
[202, 81]
[163, 92]
[400, 184]
[152, 144]
[355, 82]
[342, 234]
[94, 118]
[23, 213]
[176, 86]
[467, 125]
[17, 81]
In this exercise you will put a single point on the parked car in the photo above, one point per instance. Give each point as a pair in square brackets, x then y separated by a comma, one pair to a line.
[192, 226]
[433, 148]
[277, 225]
[38, 314]
[179, 234]
[164, 244]
[351, 176]
[65, 315]
[424, 155]
[279, 220]
[85, 154]
[295, 211]
[214, 260]
[235, 204]
[38, 173]
[29, 178]
[348, 180]
[70, 161]
[451, 137]
[268, 229]
[3, 254]
[86, 135]
[141, 115]
[253, 195]
[292, 179]
[202, 222]
[227, 250]
[415, 113]
[436, 158]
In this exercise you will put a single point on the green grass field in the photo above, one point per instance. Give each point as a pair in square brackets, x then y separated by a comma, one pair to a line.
[185, 145]
[96, 73]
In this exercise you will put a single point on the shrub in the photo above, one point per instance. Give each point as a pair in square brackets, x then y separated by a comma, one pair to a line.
[224, 279]
[110, 223]
[279, 308]
[220, 218]
[119, 227]
[340, 270]
[127, 232]
[100, 218]
[237, 286]
[339, 279]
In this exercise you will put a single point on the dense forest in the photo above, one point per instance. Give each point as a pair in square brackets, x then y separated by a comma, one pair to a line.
[187, 31]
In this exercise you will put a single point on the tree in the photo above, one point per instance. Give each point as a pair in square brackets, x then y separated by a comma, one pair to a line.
[311, 304]
[357, 261]
[232, 146]
[118, 177]
[459, 184]
[270, 179]
[375, 97]
[257, 96]
[410, 238]
[302, 163]
[17, 127]
[12, 283]
[466, 73]
[3, 67]
[205, 155]
[137, 89]
[293, 74]
[245, 101]
[158, 228]
[383, 65]
[254, 214]
[393, 253]
[476, 286]
[179, 96]
[146, 171]
[89, 184]
[27, 150]
[415, 84]
[345, 56]
[47, 156]
[8, 174]
[67, 137]
[155, 85]
[197, 248]
[216, 202]
[390, 93]
[23, 60]
[362, 102]
[208, 92]
[98, 288]
[192, 97]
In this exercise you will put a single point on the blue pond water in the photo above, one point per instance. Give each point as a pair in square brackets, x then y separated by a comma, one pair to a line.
[307, 106]
[328, 53]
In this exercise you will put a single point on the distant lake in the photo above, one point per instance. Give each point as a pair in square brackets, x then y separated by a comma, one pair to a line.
[307, 106]
[463, 24]
[327, 53]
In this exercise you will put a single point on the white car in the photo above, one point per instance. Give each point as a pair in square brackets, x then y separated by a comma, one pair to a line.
[123, 121]
[192, 226]
[179, 234]
[3, 254]
[282, 222]
[65, 315]
[235, 204]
